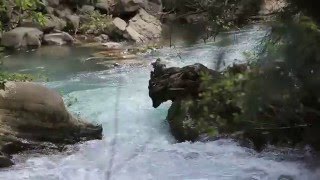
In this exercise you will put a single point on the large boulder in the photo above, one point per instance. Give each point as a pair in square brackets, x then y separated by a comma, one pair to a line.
[61, 38]
[22, 37]
[144, 27]
[33, 116]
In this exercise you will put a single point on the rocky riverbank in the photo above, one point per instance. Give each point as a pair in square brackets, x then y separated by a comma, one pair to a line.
[68, 22]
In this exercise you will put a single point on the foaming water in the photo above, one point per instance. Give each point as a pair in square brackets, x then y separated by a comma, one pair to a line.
[144, 148]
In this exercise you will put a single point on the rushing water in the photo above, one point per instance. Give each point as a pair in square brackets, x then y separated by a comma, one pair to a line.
[137, 143]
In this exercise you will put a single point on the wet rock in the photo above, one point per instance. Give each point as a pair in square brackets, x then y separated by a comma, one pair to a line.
[176, 83]
[31, 115]
[5, 162]
[22, 37]
[61, 38]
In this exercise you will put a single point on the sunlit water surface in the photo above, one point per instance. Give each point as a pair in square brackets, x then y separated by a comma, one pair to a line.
[143, 146]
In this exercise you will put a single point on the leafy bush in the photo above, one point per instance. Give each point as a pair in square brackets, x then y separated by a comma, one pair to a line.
[97, 23]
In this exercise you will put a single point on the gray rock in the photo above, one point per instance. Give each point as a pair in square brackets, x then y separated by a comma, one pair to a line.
[73, 22]
[104, 6]
[31, 114]
[132, 34]
[102, 38]
[63, 12]
[128, 6]
[144, 27]
[120, 24]
[22, 37]
[55, 23]
[61, 38]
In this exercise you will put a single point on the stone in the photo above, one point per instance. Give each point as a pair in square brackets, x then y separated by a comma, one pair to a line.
[49, 10]
[73, 21]
[153, 7]
[22, 37]
[119, 24]
[144, 27]
[61, 38]
[55, 22]
[63, 11]
[133, 35]
[31, 116]
[103, 38]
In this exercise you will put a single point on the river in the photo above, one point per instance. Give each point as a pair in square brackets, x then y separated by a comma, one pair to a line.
[137, 143]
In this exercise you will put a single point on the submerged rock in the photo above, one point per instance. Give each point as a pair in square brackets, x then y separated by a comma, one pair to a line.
[31, 114]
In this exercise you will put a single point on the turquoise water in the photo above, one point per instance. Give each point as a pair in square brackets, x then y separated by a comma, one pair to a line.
[137, 136]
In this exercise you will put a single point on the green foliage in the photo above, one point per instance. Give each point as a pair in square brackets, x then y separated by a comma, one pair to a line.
[98, 23]
[26, 5]
[31, 7]
[276, 100]
[5, 77]
[27, 9]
